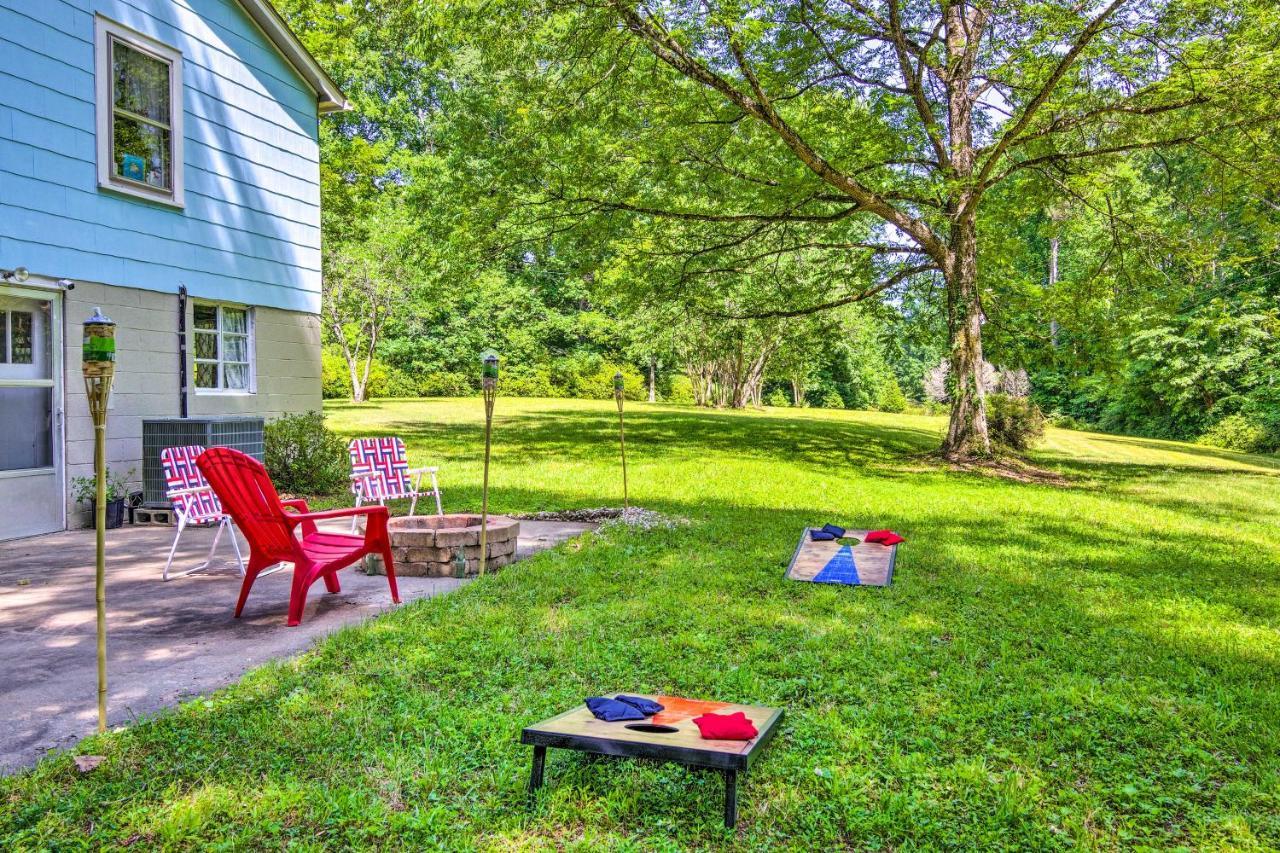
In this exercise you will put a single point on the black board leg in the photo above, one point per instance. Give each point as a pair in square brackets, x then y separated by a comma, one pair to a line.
[730, 798]
[535, 774]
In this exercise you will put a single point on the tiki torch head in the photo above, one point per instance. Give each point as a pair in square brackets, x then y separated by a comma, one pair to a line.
[98, 352]
[489, 371]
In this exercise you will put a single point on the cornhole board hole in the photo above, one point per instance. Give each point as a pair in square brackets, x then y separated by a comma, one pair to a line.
[577, 729]
[864, 564]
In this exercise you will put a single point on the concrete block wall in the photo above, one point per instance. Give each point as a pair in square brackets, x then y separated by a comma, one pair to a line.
[286, 356]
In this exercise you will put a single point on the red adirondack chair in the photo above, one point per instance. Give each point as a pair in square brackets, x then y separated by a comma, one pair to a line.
[248, 495]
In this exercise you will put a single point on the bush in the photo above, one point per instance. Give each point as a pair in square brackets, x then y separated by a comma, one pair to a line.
[1064, 421]
[1237, 432]
[681, 390]
[446, 384]
[891, 397]
[335, 381]
[303, 456]
[335, 378]
[1014, 423]
[832, 400]
[528, 382]
[400, 384]
[598, 385]
[778, 398]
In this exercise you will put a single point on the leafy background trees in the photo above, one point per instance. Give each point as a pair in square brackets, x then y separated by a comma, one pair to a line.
[554, 181]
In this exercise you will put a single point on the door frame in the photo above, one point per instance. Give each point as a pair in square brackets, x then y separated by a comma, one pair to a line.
[50, 290]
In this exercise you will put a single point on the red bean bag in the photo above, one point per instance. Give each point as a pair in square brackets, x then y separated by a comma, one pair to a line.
[733, 726]
[884, 537]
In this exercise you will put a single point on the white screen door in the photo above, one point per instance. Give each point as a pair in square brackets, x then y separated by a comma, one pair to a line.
[31, 481]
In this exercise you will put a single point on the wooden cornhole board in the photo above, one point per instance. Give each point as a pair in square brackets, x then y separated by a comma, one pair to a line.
[864, 564]
[578, 729]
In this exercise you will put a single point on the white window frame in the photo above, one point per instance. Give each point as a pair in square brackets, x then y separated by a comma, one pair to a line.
[105, 30]
[251, 327]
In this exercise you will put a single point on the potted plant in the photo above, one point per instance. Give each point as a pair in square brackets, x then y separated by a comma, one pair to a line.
[85, 490]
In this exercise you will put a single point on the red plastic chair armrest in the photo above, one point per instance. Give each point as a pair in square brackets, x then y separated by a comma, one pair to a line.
[375, 530]
[299, 508]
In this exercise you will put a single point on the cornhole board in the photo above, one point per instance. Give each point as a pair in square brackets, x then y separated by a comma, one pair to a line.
[577, 729]
[864, 564]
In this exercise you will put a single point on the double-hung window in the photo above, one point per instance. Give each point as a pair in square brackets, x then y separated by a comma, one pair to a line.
[139, 103]
[223, 342]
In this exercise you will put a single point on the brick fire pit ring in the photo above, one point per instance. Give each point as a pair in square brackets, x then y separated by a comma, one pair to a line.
[424, 545]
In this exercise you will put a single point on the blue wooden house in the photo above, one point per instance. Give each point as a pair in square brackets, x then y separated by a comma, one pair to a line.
[159, 159]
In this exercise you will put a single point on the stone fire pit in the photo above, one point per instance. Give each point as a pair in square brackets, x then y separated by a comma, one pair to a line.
[424, 545]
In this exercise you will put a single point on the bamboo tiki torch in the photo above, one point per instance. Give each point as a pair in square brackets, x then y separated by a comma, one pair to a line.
[489, 386]
[618, 392]
[98, 361]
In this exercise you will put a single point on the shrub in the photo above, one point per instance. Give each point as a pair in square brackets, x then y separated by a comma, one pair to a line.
[335, 378]
[1064, 421]
[681, 390]
[832, 400]
[598, 385]
[446, 384]
[528, 382]
[1015, 423]
[335, 381]
[1237, 432]
[891, 397]
[303, 456]
[400, 384]
[778, 398]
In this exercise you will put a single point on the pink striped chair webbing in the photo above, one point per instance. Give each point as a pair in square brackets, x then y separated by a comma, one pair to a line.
[180, 472]
[379, 468]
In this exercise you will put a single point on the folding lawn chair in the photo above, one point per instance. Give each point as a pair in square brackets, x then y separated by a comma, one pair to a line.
[193, 502]
[380, 472]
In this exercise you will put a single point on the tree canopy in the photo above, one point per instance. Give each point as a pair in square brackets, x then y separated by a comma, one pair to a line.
[1058, 186]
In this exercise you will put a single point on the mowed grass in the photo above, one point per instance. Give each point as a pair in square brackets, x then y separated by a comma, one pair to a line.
[1096, 665]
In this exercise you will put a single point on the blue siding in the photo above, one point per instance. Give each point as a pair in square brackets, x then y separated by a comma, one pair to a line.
[250, 228]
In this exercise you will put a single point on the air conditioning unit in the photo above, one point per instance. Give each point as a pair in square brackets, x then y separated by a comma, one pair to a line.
[242, 433]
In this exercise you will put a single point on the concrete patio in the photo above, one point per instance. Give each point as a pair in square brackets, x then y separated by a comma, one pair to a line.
[166, 641]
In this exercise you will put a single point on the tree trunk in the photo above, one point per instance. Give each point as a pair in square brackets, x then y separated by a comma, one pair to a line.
[797, 392]
[967, 433]
[653, 369]
[1053, 281]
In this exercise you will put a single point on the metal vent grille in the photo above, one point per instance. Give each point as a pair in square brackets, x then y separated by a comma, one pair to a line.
[244, 434]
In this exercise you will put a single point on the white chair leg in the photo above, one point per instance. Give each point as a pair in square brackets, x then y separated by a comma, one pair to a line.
[182, 523]
[355, 518]
[417, 490]
[435, 489]
[217, 534]
[235, 541]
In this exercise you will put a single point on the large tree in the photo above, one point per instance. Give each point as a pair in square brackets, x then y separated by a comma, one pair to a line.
[873, 131]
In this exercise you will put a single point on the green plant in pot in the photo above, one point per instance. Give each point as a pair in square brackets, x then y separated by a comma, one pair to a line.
[84, 488]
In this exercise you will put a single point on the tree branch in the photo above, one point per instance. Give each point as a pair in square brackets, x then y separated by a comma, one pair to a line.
[667, 49]
[1012, 132]
[897, 278]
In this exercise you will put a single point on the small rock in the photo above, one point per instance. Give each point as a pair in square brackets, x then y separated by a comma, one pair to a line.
[87, 763]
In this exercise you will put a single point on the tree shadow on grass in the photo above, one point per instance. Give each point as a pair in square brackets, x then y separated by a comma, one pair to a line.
[540, 435]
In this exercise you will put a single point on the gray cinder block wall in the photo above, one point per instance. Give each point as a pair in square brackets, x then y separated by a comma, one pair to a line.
[286, 355]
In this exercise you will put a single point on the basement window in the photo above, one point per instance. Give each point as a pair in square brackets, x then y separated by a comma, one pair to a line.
[139, 108]
[222, 340]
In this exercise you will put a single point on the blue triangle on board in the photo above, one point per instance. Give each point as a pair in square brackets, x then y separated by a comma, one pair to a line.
[839, 569]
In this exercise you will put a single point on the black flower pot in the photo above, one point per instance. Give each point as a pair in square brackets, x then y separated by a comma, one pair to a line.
[115, 513]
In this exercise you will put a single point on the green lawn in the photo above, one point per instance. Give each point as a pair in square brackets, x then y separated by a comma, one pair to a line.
[1094, 665]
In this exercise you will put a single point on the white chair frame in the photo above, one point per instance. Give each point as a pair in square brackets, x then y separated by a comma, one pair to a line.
[224, 523]
[412, 496]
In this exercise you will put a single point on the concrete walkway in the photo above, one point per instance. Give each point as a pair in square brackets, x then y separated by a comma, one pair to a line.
[165, 641]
